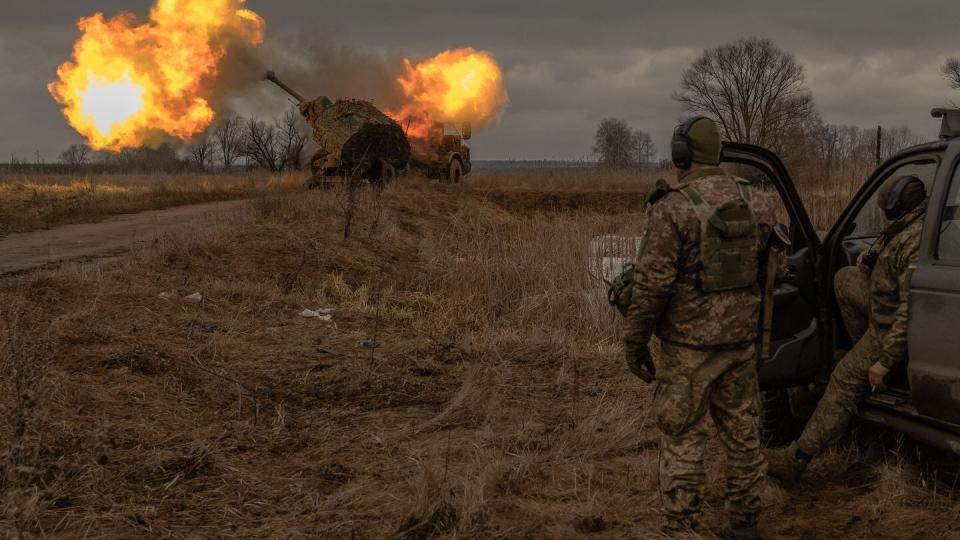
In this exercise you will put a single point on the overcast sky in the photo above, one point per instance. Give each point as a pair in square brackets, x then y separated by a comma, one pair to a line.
[568, 63]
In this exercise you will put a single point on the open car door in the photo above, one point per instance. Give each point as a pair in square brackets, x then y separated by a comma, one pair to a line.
[797, 349]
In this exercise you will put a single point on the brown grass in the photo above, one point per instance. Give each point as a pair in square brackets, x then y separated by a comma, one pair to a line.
[34, 201]
[470, 385]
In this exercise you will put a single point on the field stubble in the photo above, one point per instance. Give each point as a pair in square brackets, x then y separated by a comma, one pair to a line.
[34, 201]
[470, 383]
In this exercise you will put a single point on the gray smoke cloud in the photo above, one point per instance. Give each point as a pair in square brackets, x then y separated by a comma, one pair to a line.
[568, 63]
[313, 66]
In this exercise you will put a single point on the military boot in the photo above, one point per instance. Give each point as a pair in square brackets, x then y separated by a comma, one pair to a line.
[786, 464]
[740, 528]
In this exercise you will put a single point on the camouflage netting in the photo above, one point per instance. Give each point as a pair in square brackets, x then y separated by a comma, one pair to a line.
[356, 130]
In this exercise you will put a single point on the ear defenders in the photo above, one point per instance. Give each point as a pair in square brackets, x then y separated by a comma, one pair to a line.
[680, 149]
[901, 200]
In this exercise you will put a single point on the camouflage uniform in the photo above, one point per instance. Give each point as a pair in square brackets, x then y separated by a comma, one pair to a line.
[852, 287]
[885, 338]
[708, 361]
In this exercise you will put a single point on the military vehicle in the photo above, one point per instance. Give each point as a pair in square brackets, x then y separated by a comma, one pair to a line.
[923, 398]
[355, 138]
[358, 140]
[444, 155]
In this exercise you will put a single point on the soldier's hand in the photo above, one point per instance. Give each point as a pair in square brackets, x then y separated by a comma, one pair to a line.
[878, 376]
[862, 263]
[641, 364]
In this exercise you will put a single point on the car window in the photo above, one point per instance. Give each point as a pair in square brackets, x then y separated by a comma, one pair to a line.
[870, 222]
[948, 248]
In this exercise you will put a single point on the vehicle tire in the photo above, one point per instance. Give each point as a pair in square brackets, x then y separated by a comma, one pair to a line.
[778, 426]
[387, 174]
[314, 182]
[455, 172]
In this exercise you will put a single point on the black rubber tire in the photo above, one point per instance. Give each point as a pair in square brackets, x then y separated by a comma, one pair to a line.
[778, 426]
[455, 172]
[388, 174]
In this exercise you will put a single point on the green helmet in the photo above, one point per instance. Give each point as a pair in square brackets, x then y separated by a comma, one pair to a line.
[901, 194]
[696, 141]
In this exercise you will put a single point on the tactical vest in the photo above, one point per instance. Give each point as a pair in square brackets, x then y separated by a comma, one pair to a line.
[728, 242]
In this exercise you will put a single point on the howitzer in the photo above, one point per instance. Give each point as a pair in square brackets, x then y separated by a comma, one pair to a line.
[272, 77]
[356, 139]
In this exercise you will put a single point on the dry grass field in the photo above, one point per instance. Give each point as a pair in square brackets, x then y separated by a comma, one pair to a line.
[38, 201]
[467, 384]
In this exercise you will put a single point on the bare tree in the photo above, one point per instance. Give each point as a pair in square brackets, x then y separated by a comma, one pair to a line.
[755, 91]
[292, 140]
[951, 72]
[644, 148]
[75, 156]
[201, 150]
[613, 143]
[897, 138]
[164, 158]
[228, 137]
[262, 145]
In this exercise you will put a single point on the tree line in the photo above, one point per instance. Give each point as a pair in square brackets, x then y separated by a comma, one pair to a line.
[757, 93]
[234, 142]
[620, 146]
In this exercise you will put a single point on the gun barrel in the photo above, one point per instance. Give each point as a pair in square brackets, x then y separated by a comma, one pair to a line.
[272, 77]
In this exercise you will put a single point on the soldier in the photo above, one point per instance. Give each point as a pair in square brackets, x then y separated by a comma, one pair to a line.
[695, 286]
[874, 302]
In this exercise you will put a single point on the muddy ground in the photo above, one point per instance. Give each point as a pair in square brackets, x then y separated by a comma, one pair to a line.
[468, 384]
[113, 236]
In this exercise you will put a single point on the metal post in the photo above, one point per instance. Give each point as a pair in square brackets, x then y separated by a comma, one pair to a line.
[879, 142]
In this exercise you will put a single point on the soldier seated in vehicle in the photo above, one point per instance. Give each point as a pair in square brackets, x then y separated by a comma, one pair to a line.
[873, 297]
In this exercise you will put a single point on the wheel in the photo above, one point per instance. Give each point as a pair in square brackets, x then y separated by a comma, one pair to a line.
[314, 182]
[387, 173]
[778, 425]
[455, 172]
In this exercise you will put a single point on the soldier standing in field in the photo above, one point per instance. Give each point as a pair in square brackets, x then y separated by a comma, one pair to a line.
[696, 288]
[874, 302]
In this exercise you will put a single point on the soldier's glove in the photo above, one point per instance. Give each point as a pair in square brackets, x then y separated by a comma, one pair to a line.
[641, 364]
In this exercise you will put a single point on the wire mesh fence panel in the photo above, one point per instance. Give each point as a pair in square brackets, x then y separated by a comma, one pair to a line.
[610, 253]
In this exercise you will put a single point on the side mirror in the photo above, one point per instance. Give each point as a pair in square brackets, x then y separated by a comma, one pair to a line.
[467, 129]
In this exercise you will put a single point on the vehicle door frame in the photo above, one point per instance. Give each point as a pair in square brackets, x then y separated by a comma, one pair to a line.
[802, 233]
[930, 385]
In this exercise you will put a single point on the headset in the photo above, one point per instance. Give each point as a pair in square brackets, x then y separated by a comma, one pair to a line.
[900, 201]
[680, 148]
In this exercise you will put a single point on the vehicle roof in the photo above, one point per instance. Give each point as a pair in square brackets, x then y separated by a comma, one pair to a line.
[933, 146]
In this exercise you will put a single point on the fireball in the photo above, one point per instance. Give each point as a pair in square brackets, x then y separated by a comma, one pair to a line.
[457, 86]
[131, 82]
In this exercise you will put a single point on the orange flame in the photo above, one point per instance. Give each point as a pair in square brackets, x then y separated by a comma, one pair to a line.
[457, 86]
[130, 81]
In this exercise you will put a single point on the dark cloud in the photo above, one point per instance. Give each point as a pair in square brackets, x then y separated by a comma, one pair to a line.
[568, 63]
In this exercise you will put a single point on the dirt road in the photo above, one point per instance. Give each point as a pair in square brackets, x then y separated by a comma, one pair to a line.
[28, 251]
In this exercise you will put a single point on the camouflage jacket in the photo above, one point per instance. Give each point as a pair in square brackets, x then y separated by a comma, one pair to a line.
[674, 309]
[890, 286]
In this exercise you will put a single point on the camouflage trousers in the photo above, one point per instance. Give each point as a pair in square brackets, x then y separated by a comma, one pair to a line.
[692, 385]
[848, 383]
[852, 288]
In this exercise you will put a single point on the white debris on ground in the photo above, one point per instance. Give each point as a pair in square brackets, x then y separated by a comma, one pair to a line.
[166, 296]
[323, 314]
[610, 253]
[195, 297]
